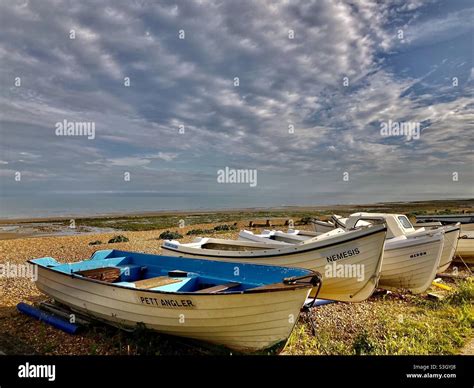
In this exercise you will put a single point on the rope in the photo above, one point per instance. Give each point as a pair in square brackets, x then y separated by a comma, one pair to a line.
[465, 264]
[455, 246]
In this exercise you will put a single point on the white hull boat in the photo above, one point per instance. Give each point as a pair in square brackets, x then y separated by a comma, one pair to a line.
[451, 238]
[467, 228]
[248, 311]
[411, 258]
[411, 263]
[359, 250]
[399, 225]
[465, 248]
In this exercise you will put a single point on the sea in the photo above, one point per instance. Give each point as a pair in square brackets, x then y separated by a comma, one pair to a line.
[85, 205]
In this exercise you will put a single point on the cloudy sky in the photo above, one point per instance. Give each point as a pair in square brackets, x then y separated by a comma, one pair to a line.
[296, 90]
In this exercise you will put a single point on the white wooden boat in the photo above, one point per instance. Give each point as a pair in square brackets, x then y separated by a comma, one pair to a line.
[360, 249]
[245, 307]
[465, 248]
[399, 225]
[411, 263]
[451, 238]
[467, 228]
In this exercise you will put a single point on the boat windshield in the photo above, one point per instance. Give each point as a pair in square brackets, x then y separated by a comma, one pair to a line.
[405, 222]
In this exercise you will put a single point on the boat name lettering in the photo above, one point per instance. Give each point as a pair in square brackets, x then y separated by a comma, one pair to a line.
[417, 254]
[166, 302]
[343, 255]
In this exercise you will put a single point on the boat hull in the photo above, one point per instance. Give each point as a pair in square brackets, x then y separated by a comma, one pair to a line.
[465, 247]
[467, 228]
[451, 236]
[239, 321]
[411, 264]
[323, 256]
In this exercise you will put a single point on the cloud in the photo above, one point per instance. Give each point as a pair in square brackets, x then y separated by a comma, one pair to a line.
[303, 110]
[166, 156]
[134, 161]
[438, 29]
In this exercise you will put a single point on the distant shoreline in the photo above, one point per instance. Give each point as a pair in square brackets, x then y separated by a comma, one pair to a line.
[155, 220]
[469, 202]
[156, 213]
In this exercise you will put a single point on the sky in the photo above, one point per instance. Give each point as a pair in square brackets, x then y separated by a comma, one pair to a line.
[296, 92]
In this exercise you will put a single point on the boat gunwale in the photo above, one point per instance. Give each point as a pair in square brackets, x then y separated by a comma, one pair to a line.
[433, 238]
[454, 229]
[257, 290]
[444, 228]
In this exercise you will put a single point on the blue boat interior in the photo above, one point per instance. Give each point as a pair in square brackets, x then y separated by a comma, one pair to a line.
[173, 274]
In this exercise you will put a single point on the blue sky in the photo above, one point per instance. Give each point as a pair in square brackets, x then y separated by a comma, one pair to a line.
[400, 59]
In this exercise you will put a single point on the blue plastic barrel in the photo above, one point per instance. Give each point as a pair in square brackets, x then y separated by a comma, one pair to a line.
[59, 323]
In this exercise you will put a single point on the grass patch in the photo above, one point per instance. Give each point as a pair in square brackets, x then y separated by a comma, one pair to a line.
[143, 223]
[194, 232]
[217, 229]
[411, 326]
[464, 293]
[170, 235]
[364, 343]
[118, 239]
[96, 242]
[303, 342]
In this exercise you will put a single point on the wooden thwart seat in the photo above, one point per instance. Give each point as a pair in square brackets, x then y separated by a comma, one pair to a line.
[218, 288]
[155, 282]
[106, 274]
